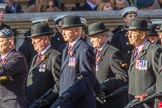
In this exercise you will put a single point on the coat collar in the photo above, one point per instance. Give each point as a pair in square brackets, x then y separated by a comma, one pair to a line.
[8, 56]
[67, 55]
[103, 51]
[141, 54]
[43, 58]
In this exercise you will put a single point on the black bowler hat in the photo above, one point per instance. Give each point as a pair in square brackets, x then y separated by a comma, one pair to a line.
[96, 28]
[39, 29]
[152, 31]
[71, 21]
[138, 24]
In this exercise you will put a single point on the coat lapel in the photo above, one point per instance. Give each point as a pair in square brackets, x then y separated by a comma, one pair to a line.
[75, 46]
[141, 54]
[103, 51]
[8, 56]
[64, 53]
[46, 55]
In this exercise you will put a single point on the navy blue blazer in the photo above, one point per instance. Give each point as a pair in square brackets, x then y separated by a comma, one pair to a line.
[78, 75]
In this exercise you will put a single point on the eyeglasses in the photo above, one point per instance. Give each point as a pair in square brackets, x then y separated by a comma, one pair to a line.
[48, 6]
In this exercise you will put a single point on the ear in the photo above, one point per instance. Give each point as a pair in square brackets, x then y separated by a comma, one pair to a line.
[143, 35]
[11, 41]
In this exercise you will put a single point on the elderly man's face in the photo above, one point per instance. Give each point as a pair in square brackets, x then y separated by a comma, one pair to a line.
[71, 33]
[98, 40]
[40, 43]
[6, 44]
[136, 37]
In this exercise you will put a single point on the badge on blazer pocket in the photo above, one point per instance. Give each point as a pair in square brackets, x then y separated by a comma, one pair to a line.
[141, 64]
[42, 68]
[72, 61]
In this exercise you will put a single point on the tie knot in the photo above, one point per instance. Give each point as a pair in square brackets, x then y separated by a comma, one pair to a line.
[69, 48]
[97, 51]
[136, 50]
[39, 54]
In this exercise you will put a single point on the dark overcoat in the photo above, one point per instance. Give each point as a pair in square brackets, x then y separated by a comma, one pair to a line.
[77, 75]
[13, 77]
[44, 75]
[143, 71]
[111, 74]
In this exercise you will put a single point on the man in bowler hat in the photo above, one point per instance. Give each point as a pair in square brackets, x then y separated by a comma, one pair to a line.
[153, 36]
[13, 73]
[44, 70]
[143, 67]
[120, 37]
[78, 68]
[110, 66]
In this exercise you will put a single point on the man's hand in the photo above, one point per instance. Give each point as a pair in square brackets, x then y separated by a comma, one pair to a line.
[141, 96]
[101, 97]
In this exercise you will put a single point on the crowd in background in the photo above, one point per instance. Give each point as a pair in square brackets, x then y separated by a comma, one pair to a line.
[99, 5]
[79, 66]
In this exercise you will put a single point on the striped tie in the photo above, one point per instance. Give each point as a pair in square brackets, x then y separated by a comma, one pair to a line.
[135, 52]
[38, 57]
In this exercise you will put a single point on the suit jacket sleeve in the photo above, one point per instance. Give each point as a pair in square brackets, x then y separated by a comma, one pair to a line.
[86, 78]
[120, 75]
[56, 72]
[155, 55]
[13, 65]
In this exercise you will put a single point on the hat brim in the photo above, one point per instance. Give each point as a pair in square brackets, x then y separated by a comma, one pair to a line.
[152, 34]
[91, 34]
[67, 26]
[133, 28]
[36, 35]
[160, 30]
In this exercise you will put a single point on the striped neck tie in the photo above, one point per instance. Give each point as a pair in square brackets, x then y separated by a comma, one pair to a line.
[38, 57]
[135, 52]
[97, 52]
[69, 48]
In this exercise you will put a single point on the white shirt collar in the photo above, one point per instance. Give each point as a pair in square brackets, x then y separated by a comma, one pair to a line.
[5, 55]
[42, 52]
[72, 44]
[140, 48]
[102, 46]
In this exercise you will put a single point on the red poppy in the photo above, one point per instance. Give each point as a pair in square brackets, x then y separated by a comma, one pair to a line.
[98, 58]
[43, 58]
[71, 53]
